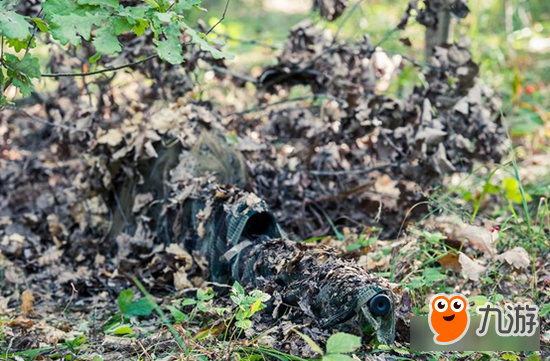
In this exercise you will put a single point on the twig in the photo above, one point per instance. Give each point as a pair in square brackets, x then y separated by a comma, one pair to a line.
[40, 120]
[284, 101]
[250, 41]
[33, 35]
[106, 70]
[264, 107]
[352, 171]
[73, 292]
[221, 19]
[221, 70]
[345, 20]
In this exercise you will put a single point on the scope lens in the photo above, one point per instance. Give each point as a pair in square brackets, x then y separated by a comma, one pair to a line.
[380, 305]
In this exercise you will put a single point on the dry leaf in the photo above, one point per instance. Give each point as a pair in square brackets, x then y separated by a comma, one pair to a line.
[27, 303]
[180, 254]
[480, 238]
[141, 200]
[517, 257]
[471, 268]
[450, 261]
[50, 256]
[181, 281]
[112, 138]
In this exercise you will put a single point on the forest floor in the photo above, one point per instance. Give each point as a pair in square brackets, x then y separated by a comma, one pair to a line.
[76, 284]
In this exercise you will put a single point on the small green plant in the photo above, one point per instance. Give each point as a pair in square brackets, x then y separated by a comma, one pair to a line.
[74, 344]
[339, 346]
[119, 324]
[247, 304]
[202, 303]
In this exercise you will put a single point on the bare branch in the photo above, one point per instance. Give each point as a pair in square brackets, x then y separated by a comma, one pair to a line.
[34, 118]
[352, 171]
[245, 78]
[221, 19]
[250, 41]
[106, 70]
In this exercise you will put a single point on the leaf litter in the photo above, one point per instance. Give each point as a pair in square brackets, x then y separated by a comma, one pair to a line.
[81, 209]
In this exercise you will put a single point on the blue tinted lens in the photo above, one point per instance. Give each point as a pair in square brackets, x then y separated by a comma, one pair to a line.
[380, 305]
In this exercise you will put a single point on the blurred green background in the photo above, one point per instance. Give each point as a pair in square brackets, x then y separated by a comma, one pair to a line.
[510, 39]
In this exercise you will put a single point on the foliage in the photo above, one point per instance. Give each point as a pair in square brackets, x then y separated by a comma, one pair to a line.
[100, 23]
[247, 304]
[119, 324]
[338, 346]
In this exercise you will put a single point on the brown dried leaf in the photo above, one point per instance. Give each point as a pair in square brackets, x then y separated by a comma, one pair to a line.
[112, 138]
[480, 238]
[180, 254]
[517, 257]
[450, 261]
[27, 303]
[471, 268]
[181, 281]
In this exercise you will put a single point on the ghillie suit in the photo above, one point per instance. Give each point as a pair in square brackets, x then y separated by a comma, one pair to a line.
[240, 240]
[361, 157]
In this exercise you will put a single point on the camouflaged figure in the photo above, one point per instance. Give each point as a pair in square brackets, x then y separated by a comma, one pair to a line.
[243, 242]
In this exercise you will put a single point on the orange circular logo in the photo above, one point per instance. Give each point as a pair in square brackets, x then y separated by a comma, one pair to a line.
[449, 318]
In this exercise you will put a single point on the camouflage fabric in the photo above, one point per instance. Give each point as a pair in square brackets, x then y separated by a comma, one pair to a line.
[244, 243]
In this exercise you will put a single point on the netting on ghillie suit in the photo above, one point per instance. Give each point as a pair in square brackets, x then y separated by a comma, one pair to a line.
[187, 197]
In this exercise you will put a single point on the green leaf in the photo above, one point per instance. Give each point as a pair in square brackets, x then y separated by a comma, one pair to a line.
[95, 58]
[337, 357]
[513, 193]
[256, 306]
[124, 300]
[120, 25]
[27, 66]
[18, 45]
[140, 27]
[544, 310]
[416, 282]
[106, 42]
[183, 5]
[343, 343]
[58, 7]
[316, 348]
[24, 84]
[40, 24]
[188, 302]
[67, 28]
[205, 294]
[237, 289]
[142, 307]
[13, 25]
[432, 275]
[8, 4]
[196, 38]
[177, 314]
[111, 3]
[123, 330]
[244, 324]
[170, 50]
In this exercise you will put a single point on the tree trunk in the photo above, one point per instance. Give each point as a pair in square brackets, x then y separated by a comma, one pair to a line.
[442, 34]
